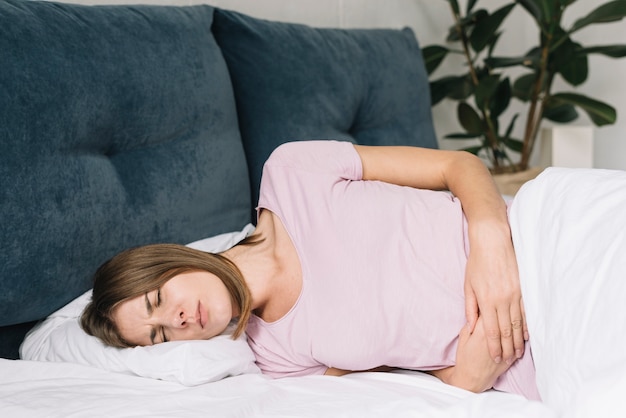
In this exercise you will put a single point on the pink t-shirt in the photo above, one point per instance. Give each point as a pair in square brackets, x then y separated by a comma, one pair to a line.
[382, 269]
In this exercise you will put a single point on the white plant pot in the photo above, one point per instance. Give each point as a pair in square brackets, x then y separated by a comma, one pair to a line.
[566, 146]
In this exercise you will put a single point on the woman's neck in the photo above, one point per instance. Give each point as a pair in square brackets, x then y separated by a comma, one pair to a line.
[270, 268]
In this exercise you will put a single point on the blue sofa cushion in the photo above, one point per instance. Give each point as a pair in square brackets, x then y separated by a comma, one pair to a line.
[293, 82]
[118, 127]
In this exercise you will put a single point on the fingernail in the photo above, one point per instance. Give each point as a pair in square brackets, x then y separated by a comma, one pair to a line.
[518, 353]
[509, 361]
[526, 336]
[498, 360]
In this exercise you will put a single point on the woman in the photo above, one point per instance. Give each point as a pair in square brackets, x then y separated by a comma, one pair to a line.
[356, 263]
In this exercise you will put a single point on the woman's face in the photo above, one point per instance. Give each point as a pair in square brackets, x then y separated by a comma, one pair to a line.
[190, 306]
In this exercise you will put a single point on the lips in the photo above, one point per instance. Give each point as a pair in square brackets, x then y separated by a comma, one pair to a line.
[201, 315]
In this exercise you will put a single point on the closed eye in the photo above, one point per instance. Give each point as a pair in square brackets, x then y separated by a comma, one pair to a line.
[157, 304]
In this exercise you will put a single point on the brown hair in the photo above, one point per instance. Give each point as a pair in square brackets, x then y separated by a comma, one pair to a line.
[139, 270]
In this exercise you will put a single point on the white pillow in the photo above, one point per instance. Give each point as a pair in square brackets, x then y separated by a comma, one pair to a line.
[60, 338]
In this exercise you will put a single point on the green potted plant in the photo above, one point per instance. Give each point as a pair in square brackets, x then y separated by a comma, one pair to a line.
[485, 89]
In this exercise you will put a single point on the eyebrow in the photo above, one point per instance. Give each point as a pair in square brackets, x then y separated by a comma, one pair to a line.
[149, 309]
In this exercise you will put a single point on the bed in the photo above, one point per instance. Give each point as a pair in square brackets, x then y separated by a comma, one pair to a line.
[72, 374]
[128, 125]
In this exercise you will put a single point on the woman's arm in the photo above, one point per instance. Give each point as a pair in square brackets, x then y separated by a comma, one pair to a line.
[491, 279]
[473, 370]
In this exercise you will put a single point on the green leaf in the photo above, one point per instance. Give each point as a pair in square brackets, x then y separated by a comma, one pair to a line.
[570, 63]
[469, 119]
[474, 150]
[453, 34]
[461, 88]
[485, 90]
[455, 6]
[511, 126]
[550, 9]
[439, 89]
[608, 12]
[485, 31]
[462, 136]
[474, 18]
[561, 113]
[613, 51]
[533, 9]
[531, 61]
[513, 144]
[455, 87]
[600, 113]
[433, 56]
[501, 98]
[492, 43]
[576, 71]
[523, 86]
[467, 23]
[470, 5]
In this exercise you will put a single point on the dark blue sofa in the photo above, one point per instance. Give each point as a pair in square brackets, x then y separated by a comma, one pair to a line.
[128, 125]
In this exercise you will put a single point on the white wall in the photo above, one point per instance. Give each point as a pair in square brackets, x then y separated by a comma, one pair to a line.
[430, 20]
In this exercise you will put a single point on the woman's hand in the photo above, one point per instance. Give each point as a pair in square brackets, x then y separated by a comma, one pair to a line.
[474, 367]
[492, 283]
[474, 370]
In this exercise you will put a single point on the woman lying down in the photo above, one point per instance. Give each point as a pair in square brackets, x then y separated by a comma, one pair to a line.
[361, 260]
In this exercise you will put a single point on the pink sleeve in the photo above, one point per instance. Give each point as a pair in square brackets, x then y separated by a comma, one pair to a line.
[294, 164]
[325, 157]
[268, 356]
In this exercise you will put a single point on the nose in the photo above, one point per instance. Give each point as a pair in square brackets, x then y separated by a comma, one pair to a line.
[181, 319]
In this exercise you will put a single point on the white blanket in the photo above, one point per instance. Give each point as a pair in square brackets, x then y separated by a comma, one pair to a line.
[569, 231]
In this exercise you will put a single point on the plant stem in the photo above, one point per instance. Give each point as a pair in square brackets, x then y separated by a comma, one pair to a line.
[541, 88]
[491, 135]
[535, 115]
[464, 43]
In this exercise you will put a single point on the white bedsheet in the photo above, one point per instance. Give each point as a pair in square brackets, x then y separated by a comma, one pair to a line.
[31, 389]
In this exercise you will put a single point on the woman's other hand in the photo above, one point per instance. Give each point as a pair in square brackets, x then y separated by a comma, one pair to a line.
[492, 287]
[474, 366]
[474, 370]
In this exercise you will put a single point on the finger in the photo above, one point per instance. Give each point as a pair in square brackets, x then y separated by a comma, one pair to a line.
[506, 335]
[471, 309]
[492, 332]
[517, 327]
[525, 324]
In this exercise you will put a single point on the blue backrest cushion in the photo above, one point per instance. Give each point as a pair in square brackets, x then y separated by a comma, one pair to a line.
[294, 82]
[118, 128]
